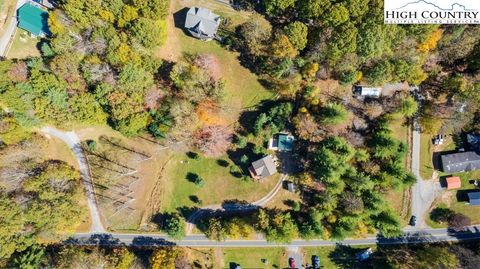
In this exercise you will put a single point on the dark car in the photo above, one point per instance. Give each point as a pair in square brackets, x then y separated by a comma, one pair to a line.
[315, 262]
[291, 263]
[413, 221]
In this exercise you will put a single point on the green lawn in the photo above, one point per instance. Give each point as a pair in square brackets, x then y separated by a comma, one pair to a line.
[473, 212]
[219, 184]
[426, 165]
[394, 198]
[23, 46]
[458, 199]
[254, 257]
[330, 257]
[335, 257]
[242, 86]
[434, 224]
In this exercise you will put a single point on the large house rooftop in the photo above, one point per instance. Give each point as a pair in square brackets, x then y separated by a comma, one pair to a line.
[460, 162]
[202, 23]
[33, 19]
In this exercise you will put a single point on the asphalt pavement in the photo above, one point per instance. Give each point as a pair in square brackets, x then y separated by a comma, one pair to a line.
[295, 253]
[153, 240]
[8, 34]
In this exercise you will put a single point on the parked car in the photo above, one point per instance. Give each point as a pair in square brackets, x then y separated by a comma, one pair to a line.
[413, 221]
[364, 255]
[315, 262]
[291, 263]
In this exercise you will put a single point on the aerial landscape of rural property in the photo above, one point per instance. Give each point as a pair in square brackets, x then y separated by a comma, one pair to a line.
[212, 134]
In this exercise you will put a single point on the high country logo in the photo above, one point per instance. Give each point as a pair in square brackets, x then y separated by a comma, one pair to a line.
[434, 12]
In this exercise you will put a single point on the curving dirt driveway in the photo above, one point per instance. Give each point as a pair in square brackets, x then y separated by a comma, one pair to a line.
[72, 140]
[235, 208]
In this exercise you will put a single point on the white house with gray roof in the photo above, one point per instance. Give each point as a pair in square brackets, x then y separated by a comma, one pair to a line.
[202, 23]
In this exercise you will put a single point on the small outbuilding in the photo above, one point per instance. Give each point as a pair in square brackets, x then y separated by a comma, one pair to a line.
[202, 23]
[453, 183]
[281, 142]
[474, 198]
[33, 19]
[291, 187]
[263, 168]
[367, 92]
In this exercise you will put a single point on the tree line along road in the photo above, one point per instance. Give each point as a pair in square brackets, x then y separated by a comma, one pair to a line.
[153, 240]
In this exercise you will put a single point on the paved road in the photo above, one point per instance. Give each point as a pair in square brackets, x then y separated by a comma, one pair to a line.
[72, 140]
[145, 240]
[295, 253]
[8, 34]
[423, 191]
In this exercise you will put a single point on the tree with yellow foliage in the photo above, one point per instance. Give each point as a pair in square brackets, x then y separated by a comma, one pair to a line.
[283, 48]
[129, 13]
[164, 258]
[431, 42]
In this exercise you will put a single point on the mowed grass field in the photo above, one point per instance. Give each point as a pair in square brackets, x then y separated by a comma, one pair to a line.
[426, 152]
[23, 46]
[254, 258]
[330, 257]
[457, 200]
[395, 198]
[219, 184]
[242, 91]
[242, 87]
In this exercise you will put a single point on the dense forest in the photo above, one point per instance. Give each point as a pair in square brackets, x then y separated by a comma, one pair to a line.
[99, 68]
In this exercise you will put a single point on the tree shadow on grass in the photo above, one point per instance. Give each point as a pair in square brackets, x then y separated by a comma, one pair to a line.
[237, 154]
[192, 155]
[192, 177]
[187, 211]
[247, 118]
[195, 199]
[344, 256]
[223, 163]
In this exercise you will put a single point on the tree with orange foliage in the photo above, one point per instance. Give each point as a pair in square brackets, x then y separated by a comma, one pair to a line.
[208, 113]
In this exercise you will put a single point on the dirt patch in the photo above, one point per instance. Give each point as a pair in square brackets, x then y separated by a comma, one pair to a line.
[446, 198]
